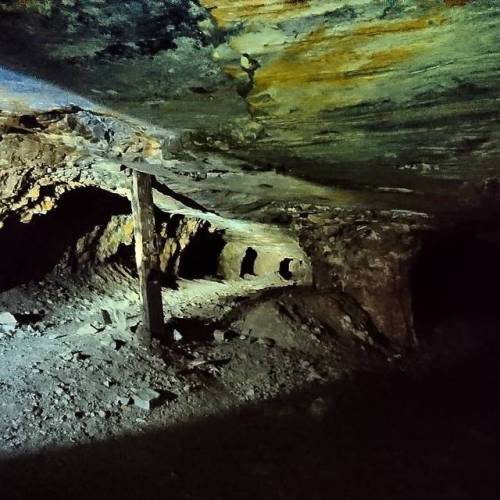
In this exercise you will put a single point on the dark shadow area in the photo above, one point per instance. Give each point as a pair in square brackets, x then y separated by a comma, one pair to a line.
[284, 269]
[248, 262]
[457, 274]
[125, 256]
[185, 200]
[29, 251]
[200, 259]
[192, 329]
[29, 318]
[373, 436]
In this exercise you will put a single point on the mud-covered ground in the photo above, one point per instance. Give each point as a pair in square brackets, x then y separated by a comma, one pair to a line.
[235, 412]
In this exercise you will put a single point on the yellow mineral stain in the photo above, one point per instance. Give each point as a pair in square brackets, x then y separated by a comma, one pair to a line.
[128, 229]
[400, 26]
[228, 12]
[234, 71]
[34, 192]
[151, 148]
[319, 66]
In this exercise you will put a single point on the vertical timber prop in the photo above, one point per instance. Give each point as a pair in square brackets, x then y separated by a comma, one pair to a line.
[146, 254]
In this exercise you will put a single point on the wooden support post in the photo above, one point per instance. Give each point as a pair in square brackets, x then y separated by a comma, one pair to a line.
[146, 254]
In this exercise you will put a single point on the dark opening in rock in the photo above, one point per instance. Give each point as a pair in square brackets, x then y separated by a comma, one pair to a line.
[29, 251]
[455, 281]
[29, 121]
[200, 259]
[248, 262]
[29, 318]
[284, 269]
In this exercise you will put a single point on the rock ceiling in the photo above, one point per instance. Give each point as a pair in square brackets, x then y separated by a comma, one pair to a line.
[393, 85]
[360, 93]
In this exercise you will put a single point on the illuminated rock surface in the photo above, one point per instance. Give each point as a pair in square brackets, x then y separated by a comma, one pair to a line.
[399, 94]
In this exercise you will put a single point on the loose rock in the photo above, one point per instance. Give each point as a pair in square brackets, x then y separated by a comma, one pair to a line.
[8, 322]
[146, 398]
[219, 336]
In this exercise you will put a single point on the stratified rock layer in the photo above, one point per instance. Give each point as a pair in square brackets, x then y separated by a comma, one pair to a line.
[382, 93]
[151, 58]
[386, 94]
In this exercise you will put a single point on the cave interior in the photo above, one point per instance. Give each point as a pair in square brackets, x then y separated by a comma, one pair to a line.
[249, 249]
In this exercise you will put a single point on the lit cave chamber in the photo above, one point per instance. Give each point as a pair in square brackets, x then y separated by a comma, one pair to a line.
[249, 249]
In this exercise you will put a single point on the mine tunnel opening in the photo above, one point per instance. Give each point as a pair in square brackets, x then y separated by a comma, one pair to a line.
[200, 259]
[248, 262]
[31, 250]
[285, 269]
[454, 283]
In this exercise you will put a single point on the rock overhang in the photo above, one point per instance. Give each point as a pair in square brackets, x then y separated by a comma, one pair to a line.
[397, 94]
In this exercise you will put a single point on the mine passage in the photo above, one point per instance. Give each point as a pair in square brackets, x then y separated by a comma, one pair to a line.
[29, 251]
[302, 300]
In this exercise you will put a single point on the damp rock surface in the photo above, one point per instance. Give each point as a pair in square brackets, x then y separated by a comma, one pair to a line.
[365, 92]
[370, 94]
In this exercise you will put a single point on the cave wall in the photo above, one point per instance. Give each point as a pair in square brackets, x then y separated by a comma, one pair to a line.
[371, 93]
[362, 263]
[48, 158]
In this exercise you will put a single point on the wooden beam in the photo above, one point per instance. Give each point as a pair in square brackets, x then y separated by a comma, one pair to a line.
[146, 254]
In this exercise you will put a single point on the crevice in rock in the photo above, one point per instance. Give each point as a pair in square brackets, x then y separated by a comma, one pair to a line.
[190, 248]
[201, 257]
[284, 269]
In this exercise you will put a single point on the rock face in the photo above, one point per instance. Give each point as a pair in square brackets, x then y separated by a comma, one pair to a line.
[392, 276]
[145, 57]
[397, 102]
[366, 257]
[63, 178]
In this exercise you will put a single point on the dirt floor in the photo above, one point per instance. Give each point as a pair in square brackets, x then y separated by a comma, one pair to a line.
[74, 368]
[88, 412]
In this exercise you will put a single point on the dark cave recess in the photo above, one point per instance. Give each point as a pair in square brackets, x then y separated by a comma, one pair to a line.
[454, 285]
[29, 251]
